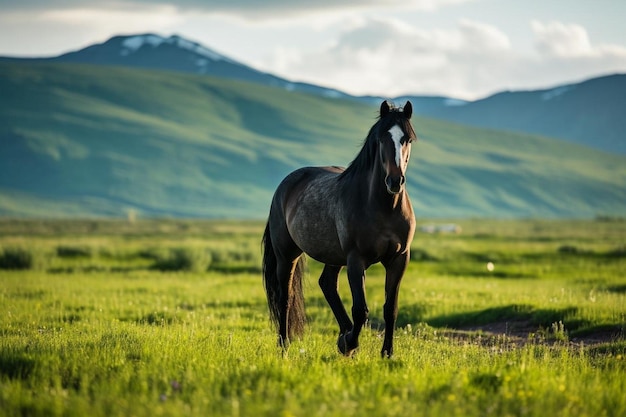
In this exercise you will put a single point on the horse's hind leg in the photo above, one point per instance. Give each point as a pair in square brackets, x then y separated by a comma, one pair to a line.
[328, 284]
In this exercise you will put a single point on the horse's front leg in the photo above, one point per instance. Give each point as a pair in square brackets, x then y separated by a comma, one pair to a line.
[349, 341]
[394, 272]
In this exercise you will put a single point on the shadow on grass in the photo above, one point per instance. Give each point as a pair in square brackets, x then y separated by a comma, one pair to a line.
[93, 269]
[509, 313]
[522, 320]
[411, 314]
[620, 289]
[16, 365]
[237, 269]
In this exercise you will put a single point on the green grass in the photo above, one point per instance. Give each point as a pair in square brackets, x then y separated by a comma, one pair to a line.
[93, 328]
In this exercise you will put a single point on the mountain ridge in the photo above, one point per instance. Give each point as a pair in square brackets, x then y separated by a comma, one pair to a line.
[176, 53]
[589, 113]
[88, 140]
[586, 112]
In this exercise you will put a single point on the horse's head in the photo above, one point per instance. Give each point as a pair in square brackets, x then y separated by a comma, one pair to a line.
[395, 135]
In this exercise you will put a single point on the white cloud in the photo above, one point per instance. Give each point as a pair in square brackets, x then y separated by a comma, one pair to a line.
[249, 9]
[571, 41]
[566, 51]
[482, 38]
[393, 58]
[59, 30]
[126, 20]
[279, 9]
[385, 56]
[560, 39]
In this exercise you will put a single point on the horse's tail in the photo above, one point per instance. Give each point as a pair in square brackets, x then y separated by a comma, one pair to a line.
[297, 316]
[294, 308]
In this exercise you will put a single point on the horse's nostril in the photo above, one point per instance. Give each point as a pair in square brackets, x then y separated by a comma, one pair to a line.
[394, 185]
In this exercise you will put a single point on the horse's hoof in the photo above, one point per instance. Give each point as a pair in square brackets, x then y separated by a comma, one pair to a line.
[344, 347]
[342, 344]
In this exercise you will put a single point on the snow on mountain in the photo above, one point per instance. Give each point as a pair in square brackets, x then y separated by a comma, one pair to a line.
[133, 43]
[453, 102]
[197, 48]
[555, 92]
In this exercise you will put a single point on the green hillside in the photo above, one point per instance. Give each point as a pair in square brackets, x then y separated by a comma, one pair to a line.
[99, 141]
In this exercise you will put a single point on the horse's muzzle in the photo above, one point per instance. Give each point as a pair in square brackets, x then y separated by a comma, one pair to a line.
[394, 184]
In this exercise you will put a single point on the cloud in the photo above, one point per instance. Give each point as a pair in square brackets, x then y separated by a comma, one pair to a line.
[392, 57]
[560, 39]
[277, 9]
[570, 41]
[471, 60]
[566, 51]
[75, 28]
[115, 20]
[249, 8]
[482, 38]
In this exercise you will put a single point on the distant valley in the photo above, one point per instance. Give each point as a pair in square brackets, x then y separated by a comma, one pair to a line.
[102, 138]
[588, 112]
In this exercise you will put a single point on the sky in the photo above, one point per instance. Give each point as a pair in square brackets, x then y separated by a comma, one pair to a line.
[466, 49]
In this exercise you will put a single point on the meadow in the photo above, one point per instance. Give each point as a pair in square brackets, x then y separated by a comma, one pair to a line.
[168, 318]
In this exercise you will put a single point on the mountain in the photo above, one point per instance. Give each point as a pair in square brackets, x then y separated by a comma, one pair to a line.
[88, 140]
[175, 53]
[588, 113]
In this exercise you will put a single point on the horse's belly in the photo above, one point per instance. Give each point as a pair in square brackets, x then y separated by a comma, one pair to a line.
[316, 234]
[327, 254]
[321, 245]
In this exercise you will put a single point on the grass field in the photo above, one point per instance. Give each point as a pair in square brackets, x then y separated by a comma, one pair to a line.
[167, 318]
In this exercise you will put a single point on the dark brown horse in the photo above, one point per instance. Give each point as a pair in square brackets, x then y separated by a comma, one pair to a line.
[354, 217]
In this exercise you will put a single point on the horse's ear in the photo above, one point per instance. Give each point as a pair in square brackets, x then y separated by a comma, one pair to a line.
[408, 110]
[384, 109]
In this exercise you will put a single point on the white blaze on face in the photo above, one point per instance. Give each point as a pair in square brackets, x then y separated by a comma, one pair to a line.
[396, 135]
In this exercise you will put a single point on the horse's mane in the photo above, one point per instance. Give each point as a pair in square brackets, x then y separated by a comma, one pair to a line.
[367, 155]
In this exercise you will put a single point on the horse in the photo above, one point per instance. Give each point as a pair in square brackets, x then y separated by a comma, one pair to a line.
[352, 217]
